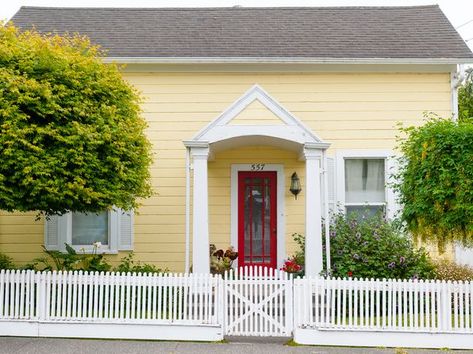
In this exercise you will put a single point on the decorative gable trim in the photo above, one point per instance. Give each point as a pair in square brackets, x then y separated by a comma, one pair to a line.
[219, 129]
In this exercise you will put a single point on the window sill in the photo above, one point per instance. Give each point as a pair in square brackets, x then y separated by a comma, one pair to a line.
[91, 250]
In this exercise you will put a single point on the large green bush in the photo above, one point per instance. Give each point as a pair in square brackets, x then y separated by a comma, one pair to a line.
[71, 134]
[435, 180]
[371, 247]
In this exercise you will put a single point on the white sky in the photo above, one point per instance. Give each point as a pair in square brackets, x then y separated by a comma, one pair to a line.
[458, 11]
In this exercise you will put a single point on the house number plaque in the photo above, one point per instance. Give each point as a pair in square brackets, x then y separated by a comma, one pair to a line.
[257, 167]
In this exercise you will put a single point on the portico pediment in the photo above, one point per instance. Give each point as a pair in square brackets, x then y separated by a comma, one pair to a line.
[256, 114]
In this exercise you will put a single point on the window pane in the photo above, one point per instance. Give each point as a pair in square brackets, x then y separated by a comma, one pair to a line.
[364, 181]
[365, 210]
[89, 228]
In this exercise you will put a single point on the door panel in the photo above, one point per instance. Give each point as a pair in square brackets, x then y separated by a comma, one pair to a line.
[257, 218]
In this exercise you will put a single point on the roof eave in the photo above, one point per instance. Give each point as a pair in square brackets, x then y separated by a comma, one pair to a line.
[282, 60]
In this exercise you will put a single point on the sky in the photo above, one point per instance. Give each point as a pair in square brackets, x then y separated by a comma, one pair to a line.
[459, 12]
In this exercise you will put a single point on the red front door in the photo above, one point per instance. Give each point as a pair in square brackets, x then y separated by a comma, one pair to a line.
[257, 219]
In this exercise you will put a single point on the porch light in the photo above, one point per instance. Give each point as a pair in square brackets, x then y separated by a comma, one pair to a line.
[295, 185]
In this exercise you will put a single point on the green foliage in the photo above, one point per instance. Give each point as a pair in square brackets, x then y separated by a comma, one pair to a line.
[71, 134]
[299, 255]
[447, 270]
[128, 264]
[71, 260]
[465, 98]
[435, 180]
[371, 247]
[6, 262]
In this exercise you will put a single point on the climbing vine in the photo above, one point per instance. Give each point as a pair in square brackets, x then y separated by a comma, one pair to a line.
[435, 180]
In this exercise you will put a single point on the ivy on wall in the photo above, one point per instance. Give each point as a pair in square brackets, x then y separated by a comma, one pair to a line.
[435, 180]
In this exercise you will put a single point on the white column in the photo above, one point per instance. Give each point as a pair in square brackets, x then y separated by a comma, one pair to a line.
[200, 214]
[313, 213]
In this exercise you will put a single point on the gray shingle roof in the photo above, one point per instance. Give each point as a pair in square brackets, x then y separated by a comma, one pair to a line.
[323, 32]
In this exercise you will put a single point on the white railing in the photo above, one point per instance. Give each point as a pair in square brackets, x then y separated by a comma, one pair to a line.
[110, 297]
[384, 305]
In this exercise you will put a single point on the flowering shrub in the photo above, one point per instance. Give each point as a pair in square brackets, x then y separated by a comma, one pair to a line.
[447, 270]
[291, 266]
[220, 260]
[373, 247]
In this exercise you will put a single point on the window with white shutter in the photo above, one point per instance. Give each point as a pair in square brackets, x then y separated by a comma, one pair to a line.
[112, 229]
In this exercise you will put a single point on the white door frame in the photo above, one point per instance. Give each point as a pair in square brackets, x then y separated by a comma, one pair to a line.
[281, 223]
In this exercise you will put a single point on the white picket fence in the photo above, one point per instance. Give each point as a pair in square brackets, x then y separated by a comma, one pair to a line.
[114, 298]
[411, 313]
[251, 302]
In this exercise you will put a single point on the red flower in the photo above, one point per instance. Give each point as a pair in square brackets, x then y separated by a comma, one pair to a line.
[350, 274]
[290, 266]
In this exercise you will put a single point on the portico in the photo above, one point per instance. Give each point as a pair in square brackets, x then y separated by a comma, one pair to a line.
[284, 132]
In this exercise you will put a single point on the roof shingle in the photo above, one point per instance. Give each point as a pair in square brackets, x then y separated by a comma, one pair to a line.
[304, 32]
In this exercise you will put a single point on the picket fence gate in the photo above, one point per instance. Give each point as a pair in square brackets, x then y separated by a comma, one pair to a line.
[247, 301]
[258, 302]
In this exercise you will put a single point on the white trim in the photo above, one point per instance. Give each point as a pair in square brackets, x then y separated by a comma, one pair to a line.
[142, 330]
[388, 155]
[282, 60]
[219, 130]
[281, 222]
[200, 211]
[373, 338]
[455, 81]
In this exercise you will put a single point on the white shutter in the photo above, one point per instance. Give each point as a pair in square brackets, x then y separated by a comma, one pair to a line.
[330, 186]
[332, 199]
[125, 236]
[51, 233]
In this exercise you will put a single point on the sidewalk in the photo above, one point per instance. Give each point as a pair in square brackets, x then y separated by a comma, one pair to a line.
[13, 345]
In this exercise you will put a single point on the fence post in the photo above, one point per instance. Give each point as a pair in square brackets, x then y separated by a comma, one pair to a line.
[289, 304]
[446, 305]
[40, 295]
[221, 302]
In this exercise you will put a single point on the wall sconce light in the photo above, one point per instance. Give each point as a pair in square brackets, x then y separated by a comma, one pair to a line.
[295, 185]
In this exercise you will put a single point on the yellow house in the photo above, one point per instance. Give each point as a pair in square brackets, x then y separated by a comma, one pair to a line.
[245, 103]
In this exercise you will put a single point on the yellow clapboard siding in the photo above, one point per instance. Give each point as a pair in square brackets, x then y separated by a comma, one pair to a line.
[358, 106]
[290, 96]
[350, 110]
[279, 78]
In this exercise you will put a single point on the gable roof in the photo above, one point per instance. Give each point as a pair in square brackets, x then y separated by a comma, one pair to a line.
[315, 33]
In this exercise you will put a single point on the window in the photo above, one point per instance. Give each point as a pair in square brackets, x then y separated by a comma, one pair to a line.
[113, 229]
[365, 190]
[90, 228]
[363, 180]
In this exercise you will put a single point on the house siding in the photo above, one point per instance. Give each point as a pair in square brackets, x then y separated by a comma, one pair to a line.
[349, 110]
